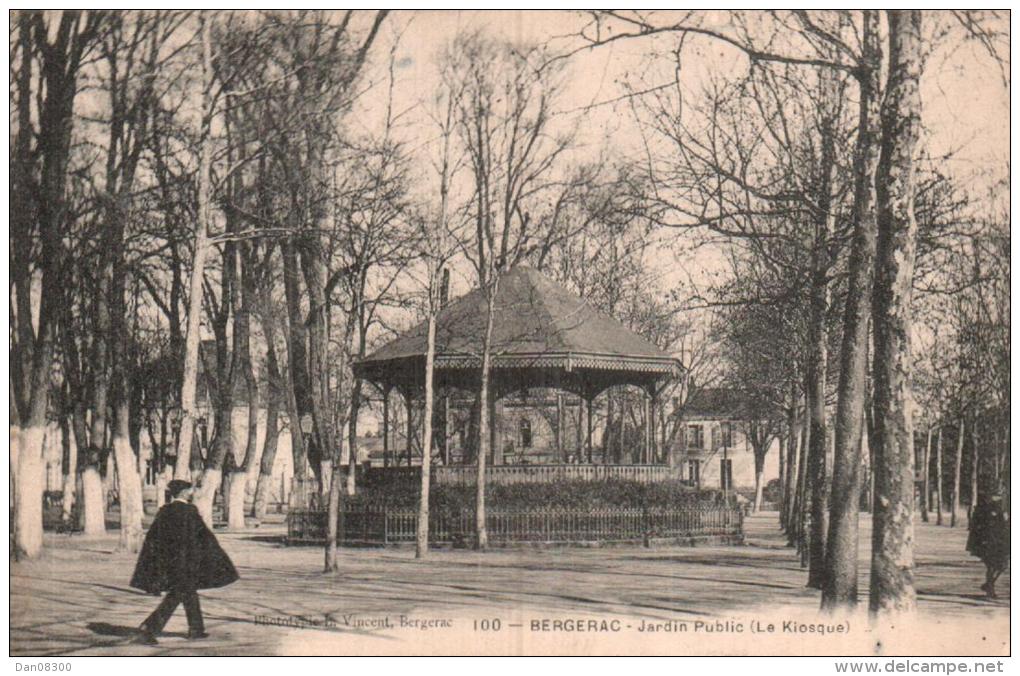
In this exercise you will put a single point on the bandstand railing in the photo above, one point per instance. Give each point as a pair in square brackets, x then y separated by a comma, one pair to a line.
[515, 474]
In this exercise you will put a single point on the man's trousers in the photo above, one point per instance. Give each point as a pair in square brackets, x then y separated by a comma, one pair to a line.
[159, 617]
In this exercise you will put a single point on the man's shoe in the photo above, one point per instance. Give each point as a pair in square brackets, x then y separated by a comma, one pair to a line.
[196, 635]
[146, 638]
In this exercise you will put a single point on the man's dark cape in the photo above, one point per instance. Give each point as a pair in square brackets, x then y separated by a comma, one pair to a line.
[181, 554]
[989, 533]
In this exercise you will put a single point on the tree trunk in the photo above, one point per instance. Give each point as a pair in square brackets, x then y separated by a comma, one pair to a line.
[222, 447]
[759, 475]
[352, 438]
[269, 446]
[782, 475]
[313, 265]
[92, 499]
[94, 493]
[244, 302]
[233, 500]
[129, 486]
[840, 575]
[60, 54]
[975, 464]
[161, 481]
[297, 370]
[790, 484]
[205, 493]
[957, 465]
[276, 384]
[818, 337]
[938, 479]
[28, 497]
[192, 339]
[422, 536]
[334, 509]
[801, 505]
[925, 476]
[817, 478]
[892, 556]
[484, 424]
[70, 484]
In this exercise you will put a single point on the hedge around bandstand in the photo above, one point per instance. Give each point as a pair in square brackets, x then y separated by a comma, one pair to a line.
[562, 494]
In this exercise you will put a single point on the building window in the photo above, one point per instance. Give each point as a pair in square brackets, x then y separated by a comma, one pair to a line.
[694, 472]
[695, 437]
[525, 432]
[726, 474]
[726, 434]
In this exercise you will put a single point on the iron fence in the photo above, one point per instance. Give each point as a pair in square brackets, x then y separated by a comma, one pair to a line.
[388, 525]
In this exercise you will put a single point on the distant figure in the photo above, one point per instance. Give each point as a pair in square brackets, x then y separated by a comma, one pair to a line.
[989, 539]
[180, 556]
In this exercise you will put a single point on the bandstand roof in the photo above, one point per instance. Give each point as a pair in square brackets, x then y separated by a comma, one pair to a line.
[543, 335]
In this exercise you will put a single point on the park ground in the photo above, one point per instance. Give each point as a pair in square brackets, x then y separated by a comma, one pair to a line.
[747, 599]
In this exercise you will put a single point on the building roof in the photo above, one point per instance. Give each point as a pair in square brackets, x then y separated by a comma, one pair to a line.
[538, 323]
[716, 402]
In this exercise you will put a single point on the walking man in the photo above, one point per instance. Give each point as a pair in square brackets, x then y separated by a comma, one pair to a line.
[180, 556]
[989, 539]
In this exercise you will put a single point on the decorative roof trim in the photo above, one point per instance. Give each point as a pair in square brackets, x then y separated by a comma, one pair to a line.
[568, 361]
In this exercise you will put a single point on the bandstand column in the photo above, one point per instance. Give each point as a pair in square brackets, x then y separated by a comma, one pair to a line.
[559, 426]
[646, 447]
[588, 444]
[410, 425]
[386, 427]
[495, 447]
[446, 429]
[653, 455]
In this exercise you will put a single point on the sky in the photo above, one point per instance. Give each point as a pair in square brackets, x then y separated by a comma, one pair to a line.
[965, 105]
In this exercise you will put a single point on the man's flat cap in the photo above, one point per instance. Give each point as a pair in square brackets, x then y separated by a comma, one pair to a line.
[177, 485]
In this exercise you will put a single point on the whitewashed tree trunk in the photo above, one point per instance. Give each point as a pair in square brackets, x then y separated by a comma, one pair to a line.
[759, 489]
[28, 496]
[109, 479]
[233, 501]
[206, 492]
[130, 489]
[92, 500]
[189, 384]
[15, 434]
[161, 482]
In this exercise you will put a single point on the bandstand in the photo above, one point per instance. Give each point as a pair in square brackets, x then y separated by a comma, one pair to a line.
[544, 337]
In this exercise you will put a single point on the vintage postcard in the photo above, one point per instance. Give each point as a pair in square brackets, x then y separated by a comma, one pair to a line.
[568, 332]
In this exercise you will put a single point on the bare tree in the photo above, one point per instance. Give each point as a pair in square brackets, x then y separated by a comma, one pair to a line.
[840, 585]
[504, 121]
[192, 338]
[892, 576]
[61, 43]
[437, 246]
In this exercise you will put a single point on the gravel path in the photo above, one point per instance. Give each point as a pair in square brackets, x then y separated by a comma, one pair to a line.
[75, 600]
